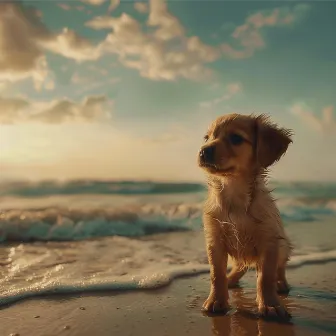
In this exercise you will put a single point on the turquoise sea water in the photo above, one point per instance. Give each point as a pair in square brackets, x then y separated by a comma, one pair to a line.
[102, 235]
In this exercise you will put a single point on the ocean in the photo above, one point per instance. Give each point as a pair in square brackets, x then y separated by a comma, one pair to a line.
[80, 236]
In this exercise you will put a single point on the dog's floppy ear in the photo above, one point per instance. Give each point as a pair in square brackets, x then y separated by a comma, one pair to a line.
[271, 142]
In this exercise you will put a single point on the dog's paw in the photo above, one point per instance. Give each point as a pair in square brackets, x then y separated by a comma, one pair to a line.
[274, 312]
[282, 287]
[215, 304]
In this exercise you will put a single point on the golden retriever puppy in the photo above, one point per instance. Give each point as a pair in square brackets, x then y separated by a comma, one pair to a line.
[240, 216]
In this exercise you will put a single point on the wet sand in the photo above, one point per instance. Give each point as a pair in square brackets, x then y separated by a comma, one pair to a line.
[176, 310]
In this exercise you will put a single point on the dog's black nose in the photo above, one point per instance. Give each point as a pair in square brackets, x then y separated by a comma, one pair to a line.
[207, 154]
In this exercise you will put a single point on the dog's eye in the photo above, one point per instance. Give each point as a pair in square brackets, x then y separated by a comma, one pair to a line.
[206, 138]
[236, 139]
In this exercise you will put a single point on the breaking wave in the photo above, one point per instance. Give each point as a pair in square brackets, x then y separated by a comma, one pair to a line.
[145, 208]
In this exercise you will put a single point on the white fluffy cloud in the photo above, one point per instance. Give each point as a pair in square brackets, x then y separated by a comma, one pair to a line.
[325, 123]
[230, 91]
[19, 110]
[160, 51]
[24, 40]
[248, 36]
[167, 25]
[70, 45]
[164, 53]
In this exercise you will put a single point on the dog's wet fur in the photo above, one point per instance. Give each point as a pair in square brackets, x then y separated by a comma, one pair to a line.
[240, 216]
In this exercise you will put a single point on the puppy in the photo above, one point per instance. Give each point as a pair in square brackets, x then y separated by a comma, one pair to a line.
[240, 216]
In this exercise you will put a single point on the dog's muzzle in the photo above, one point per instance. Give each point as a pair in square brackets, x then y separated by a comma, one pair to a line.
[207, 155]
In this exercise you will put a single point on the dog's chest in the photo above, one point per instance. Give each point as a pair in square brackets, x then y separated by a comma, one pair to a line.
[238, 233]
[246, 222]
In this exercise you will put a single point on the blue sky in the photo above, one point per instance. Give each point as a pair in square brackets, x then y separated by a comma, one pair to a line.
[109, 89]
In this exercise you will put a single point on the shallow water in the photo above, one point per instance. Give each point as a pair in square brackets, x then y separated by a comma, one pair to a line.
[140, 236]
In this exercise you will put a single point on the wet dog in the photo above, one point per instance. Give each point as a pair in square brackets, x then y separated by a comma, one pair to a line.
[240, 217]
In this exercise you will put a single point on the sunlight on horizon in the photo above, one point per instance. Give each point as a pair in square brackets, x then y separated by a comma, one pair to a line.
[78, 152]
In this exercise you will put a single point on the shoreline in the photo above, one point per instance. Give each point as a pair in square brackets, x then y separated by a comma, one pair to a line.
[175, 309]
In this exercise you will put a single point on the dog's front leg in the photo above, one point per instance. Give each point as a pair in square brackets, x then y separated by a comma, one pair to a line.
[267, 298]
[218, 258]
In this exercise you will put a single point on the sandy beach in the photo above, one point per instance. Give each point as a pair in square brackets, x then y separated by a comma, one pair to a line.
[176, 310]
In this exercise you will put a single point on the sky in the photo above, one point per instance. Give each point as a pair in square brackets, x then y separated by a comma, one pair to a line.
[126, 90]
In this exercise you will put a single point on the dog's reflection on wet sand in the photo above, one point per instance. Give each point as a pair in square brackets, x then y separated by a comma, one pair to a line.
[243, 320]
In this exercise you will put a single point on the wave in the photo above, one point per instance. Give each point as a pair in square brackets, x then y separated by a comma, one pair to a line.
[312, 190]
[75, 187]
[176, 207]
[60, 224]
[65, 224]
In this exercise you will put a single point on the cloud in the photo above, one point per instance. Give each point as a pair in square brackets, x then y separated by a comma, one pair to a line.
[12, 109]
[231, 90]
[326, 123]
[70, 45]
[113, 5]
[160, 51]
[163, 53]
[24, 39]
[21, 110]
[21, 56]
[141, 7]
[249, 37]
[168, 26]
[3, 87]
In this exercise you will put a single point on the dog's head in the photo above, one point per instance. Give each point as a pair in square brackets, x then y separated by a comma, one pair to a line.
[238, 144]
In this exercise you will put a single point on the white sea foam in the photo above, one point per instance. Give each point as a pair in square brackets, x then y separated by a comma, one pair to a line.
[112, 263]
